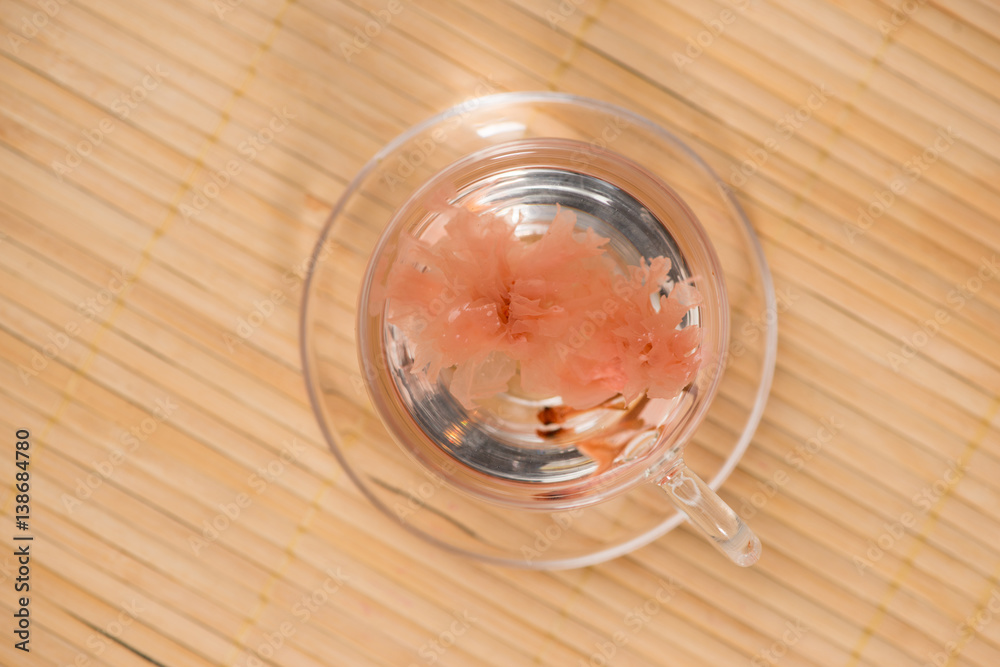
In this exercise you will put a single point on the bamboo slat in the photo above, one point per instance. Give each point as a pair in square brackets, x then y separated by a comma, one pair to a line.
[118, 304]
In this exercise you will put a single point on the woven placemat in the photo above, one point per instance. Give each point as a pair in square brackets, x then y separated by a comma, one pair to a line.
[165, 168]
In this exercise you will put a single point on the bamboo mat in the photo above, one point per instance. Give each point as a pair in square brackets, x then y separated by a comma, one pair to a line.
[861, 136]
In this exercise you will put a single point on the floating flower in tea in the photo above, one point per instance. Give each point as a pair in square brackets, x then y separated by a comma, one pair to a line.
[552, 314]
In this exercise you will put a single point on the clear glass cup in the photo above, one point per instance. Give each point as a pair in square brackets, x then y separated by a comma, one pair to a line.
[492, 481]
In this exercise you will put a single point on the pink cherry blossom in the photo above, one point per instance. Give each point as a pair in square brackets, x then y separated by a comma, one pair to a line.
[555, 310]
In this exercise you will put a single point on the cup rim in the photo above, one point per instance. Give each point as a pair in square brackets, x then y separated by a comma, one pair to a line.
[681, 222]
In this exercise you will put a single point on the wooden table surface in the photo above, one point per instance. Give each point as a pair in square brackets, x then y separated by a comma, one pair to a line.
[861, 136]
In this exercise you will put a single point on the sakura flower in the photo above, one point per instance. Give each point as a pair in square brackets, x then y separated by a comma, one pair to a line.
[659, 358]
[555, 311]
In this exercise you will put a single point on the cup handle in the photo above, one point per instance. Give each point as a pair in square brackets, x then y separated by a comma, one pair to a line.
[705, 509]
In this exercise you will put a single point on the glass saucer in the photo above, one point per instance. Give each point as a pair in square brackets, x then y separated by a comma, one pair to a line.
[425, 502]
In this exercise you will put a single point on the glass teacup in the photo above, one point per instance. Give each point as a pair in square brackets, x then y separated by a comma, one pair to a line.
[516, 477]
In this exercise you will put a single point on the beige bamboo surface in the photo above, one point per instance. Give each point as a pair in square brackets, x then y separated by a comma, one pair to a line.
[875, 554]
